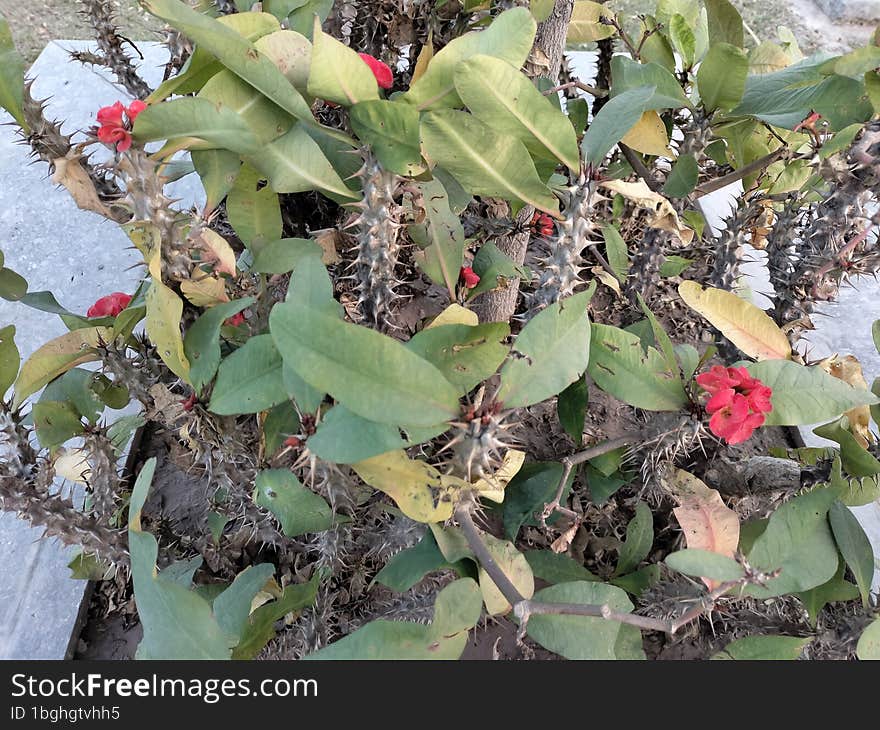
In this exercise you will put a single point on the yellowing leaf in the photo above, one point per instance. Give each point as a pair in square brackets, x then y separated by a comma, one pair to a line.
[72, 465]
[707, 523]
[455, 314]
[217, 251]
[145, 237]
[849, 370]
[586, 25]
[164, 309]
[740, 321]
[422, 493]
[663, 215]
[425, 56]
[205, 290]
[607, 279]
[493, 487]
[514, 565]
[58, 356]
[648, 136]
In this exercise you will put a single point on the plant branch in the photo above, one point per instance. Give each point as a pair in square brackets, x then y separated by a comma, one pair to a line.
[638, 166]
[739, 174]
[595, 91]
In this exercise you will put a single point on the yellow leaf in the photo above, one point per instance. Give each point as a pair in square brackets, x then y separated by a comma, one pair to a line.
[740, 321]
[422, 493]
[663, 215]
[145, 237]
[514, 565]
[164, 310]
[217, 251]
[205, 291]
[72, 464]
[607, 279]
[425, 56]
[648, 136]
[707, 523]
[58, 356]
[493, 487]
[585, 25]
[455, 314]
[849, 370]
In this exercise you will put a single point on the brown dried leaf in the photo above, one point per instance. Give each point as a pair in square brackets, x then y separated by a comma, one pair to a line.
[663, 215]
[72, 175]
[328, 240]
[707, 523]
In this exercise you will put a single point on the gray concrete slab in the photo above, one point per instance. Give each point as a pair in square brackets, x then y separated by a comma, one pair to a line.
[79, 256]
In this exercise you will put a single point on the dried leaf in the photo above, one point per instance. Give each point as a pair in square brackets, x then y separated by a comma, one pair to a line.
[849, 370]
[328, 240]
[744, 324]
[71, 174]
[707, 523]
[663, 215]
[217, 251]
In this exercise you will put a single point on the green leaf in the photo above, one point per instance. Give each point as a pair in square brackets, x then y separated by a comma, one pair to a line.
[638, 581]
[264, 118]
[853, 492]
[294, 163]
[337, 73]
[465, 355]
[541, 9]
[509, 37]
[614, 120]
[235, 52]
[11, 77]
[631, 75]
[705, 564]
[682, 177]
[756, 648]
[869, 642]
[582, 637]
[253, 211]
[639, 539]
[344, 437]
[215, 125]
[409, 566]
[441, 259]
[836, 589]
[483, 161]
[260, 626]
[291, 52]
[392, 130]
[721, 78]
[551, 352]
[233, 606]
[495, 269]
[533, 486]
[281, 421]
[249, 380]
[725, 23]
[674, 266]
[13, 286]
[617, 251]
[202, 341]
[798, 542]
[506, 100]
[571, 409]
[620, 367]
[803, 395]
[55, 423]
[456, 610]
[857, 461]
[283, 255]
[79, 388]
[373, 375]
[854, 546]
[217, 170]
[683, 38]
[299, 510]
[177, 623]
[10, 360]
[557, 567]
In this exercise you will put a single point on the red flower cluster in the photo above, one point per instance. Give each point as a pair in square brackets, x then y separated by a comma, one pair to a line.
[737, 404]
[468, 277]
[235, 320]
[114, 128]
[542, 225]
[380, 70]
[109, 306]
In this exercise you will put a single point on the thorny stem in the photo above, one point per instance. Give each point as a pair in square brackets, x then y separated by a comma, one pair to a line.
[838, 258]
[524, 608]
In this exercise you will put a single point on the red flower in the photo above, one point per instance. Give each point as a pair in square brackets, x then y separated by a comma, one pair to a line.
[109, 306]
[737, 404]
[468, 277]
[380, 70]
[235, 320]
[114, 129]
[542, 224]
